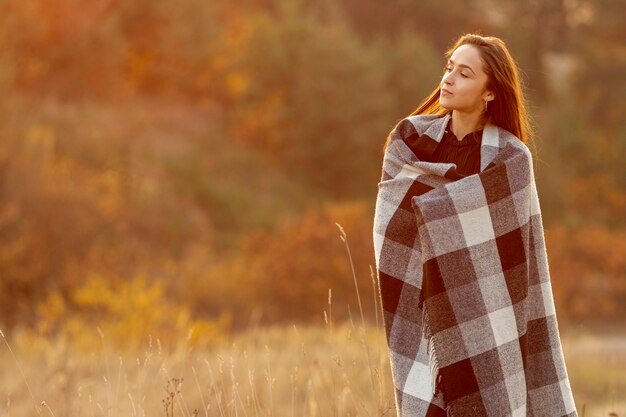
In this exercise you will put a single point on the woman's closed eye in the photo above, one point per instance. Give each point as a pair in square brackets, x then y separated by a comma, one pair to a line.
[448, 68]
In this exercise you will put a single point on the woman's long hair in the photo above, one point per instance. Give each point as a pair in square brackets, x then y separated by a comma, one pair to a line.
[508, 109]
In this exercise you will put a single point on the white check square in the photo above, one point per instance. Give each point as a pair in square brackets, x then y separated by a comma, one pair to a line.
[504, 325]
[419, 382]
[477, 226]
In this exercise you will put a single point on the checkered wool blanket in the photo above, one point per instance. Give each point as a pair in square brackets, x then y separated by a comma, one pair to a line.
[461, 262]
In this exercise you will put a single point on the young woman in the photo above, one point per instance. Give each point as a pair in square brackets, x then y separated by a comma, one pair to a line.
[460, 252]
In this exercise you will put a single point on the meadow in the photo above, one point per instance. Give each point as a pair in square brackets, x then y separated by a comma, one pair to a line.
[330, 369]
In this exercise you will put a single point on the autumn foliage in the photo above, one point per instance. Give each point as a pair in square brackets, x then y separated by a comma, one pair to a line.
[167, 167]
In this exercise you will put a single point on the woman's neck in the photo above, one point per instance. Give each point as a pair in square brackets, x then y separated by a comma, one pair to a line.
[464, 123]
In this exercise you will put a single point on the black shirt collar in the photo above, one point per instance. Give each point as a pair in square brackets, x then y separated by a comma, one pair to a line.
[469, 139]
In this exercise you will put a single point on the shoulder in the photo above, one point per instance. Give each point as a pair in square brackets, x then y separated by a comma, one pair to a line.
[425, 121]
[432, 125]
[507, 138]
[424, 118]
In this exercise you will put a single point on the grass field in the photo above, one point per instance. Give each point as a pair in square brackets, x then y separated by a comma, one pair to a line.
[331, 370]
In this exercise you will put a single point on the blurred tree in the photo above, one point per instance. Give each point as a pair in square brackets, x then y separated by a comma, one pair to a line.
[584, 125]
[314, 100]
[588, 271]
[285, 276]
[174, 50]
[412, 70]
[64, 48]
[599, 81]
[48, 225]
[532, 29]
[301, 96]
[70, 202]
[112, 49]
[438, 22]
[236, 187]
[321, 102]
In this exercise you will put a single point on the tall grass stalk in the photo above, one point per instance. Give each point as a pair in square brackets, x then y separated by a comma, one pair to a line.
[213, 384]
[270, 381]
[344, 238]
[330, 310]
[45, 405]
[235, 385]
[132, 404]
[204, 403]
[107, 375]
[253, 391]
[119, 382]
[376, 291]
[19, 367]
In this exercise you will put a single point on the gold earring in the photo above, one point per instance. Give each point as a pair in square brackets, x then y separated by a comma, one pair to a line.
[485, 105]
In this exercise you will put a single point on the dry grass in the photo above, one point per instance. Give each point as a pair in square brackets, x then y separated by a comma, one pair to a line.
[334, 370]
[273, 371]
[596, 364]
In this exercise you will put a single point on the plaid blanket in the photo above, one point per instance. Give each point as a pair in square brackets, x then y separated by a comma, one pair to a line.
[470, 318]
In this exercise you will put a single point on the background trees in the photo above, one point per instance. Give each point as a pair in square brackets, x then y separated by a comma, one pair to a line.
[211, 148]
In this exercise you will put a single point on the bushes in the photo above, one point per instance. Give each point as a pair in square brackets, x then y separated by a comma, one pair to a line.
[588, 272]
[319, 100]
[125, 313]
[285, 275]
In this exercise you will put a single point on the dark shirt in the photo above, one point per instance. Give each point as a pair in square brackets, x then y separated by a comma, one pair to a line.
[465, 154]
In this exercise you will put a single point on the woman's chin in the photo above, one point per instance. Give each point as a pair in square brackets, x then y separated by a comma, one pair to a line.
[445, 104]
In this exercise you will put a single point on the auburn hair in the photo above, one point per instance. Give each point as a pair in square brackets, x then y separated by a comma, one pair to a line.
[508, 109]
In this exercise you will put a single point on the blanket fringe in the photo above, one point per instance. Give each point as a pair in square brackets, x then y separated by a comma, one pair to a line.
[436, 376]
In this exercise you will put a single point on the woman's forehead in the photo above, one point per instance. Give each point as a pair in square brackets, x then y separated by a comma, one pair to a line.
[467, 55]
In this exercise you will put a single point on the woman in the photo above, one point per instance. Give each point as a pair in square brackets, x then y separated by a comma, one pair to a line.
[460, 252]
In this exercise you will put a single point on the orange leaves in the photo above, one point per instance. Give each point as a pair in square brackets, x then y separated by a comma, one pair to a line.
[286, 275]
[139, 63]
[260, 123]
[125, 312]
[159, 134]
[598, 195]
[588, 271]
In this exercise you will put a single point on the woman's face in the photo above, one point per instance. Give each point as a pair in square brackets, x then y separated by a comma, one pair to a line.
[465, 82]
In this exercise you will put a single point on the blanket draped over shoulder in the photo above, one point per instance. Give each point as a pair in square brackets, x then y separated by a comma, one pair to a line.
[461, 262]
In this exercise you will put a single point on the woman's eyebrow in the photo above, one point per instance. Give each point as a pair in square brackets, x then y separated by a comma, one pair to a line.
[462, 65]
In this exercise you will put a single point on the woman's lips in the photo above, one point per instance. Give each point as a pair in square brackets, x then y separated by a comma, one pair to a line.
[445, 92]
